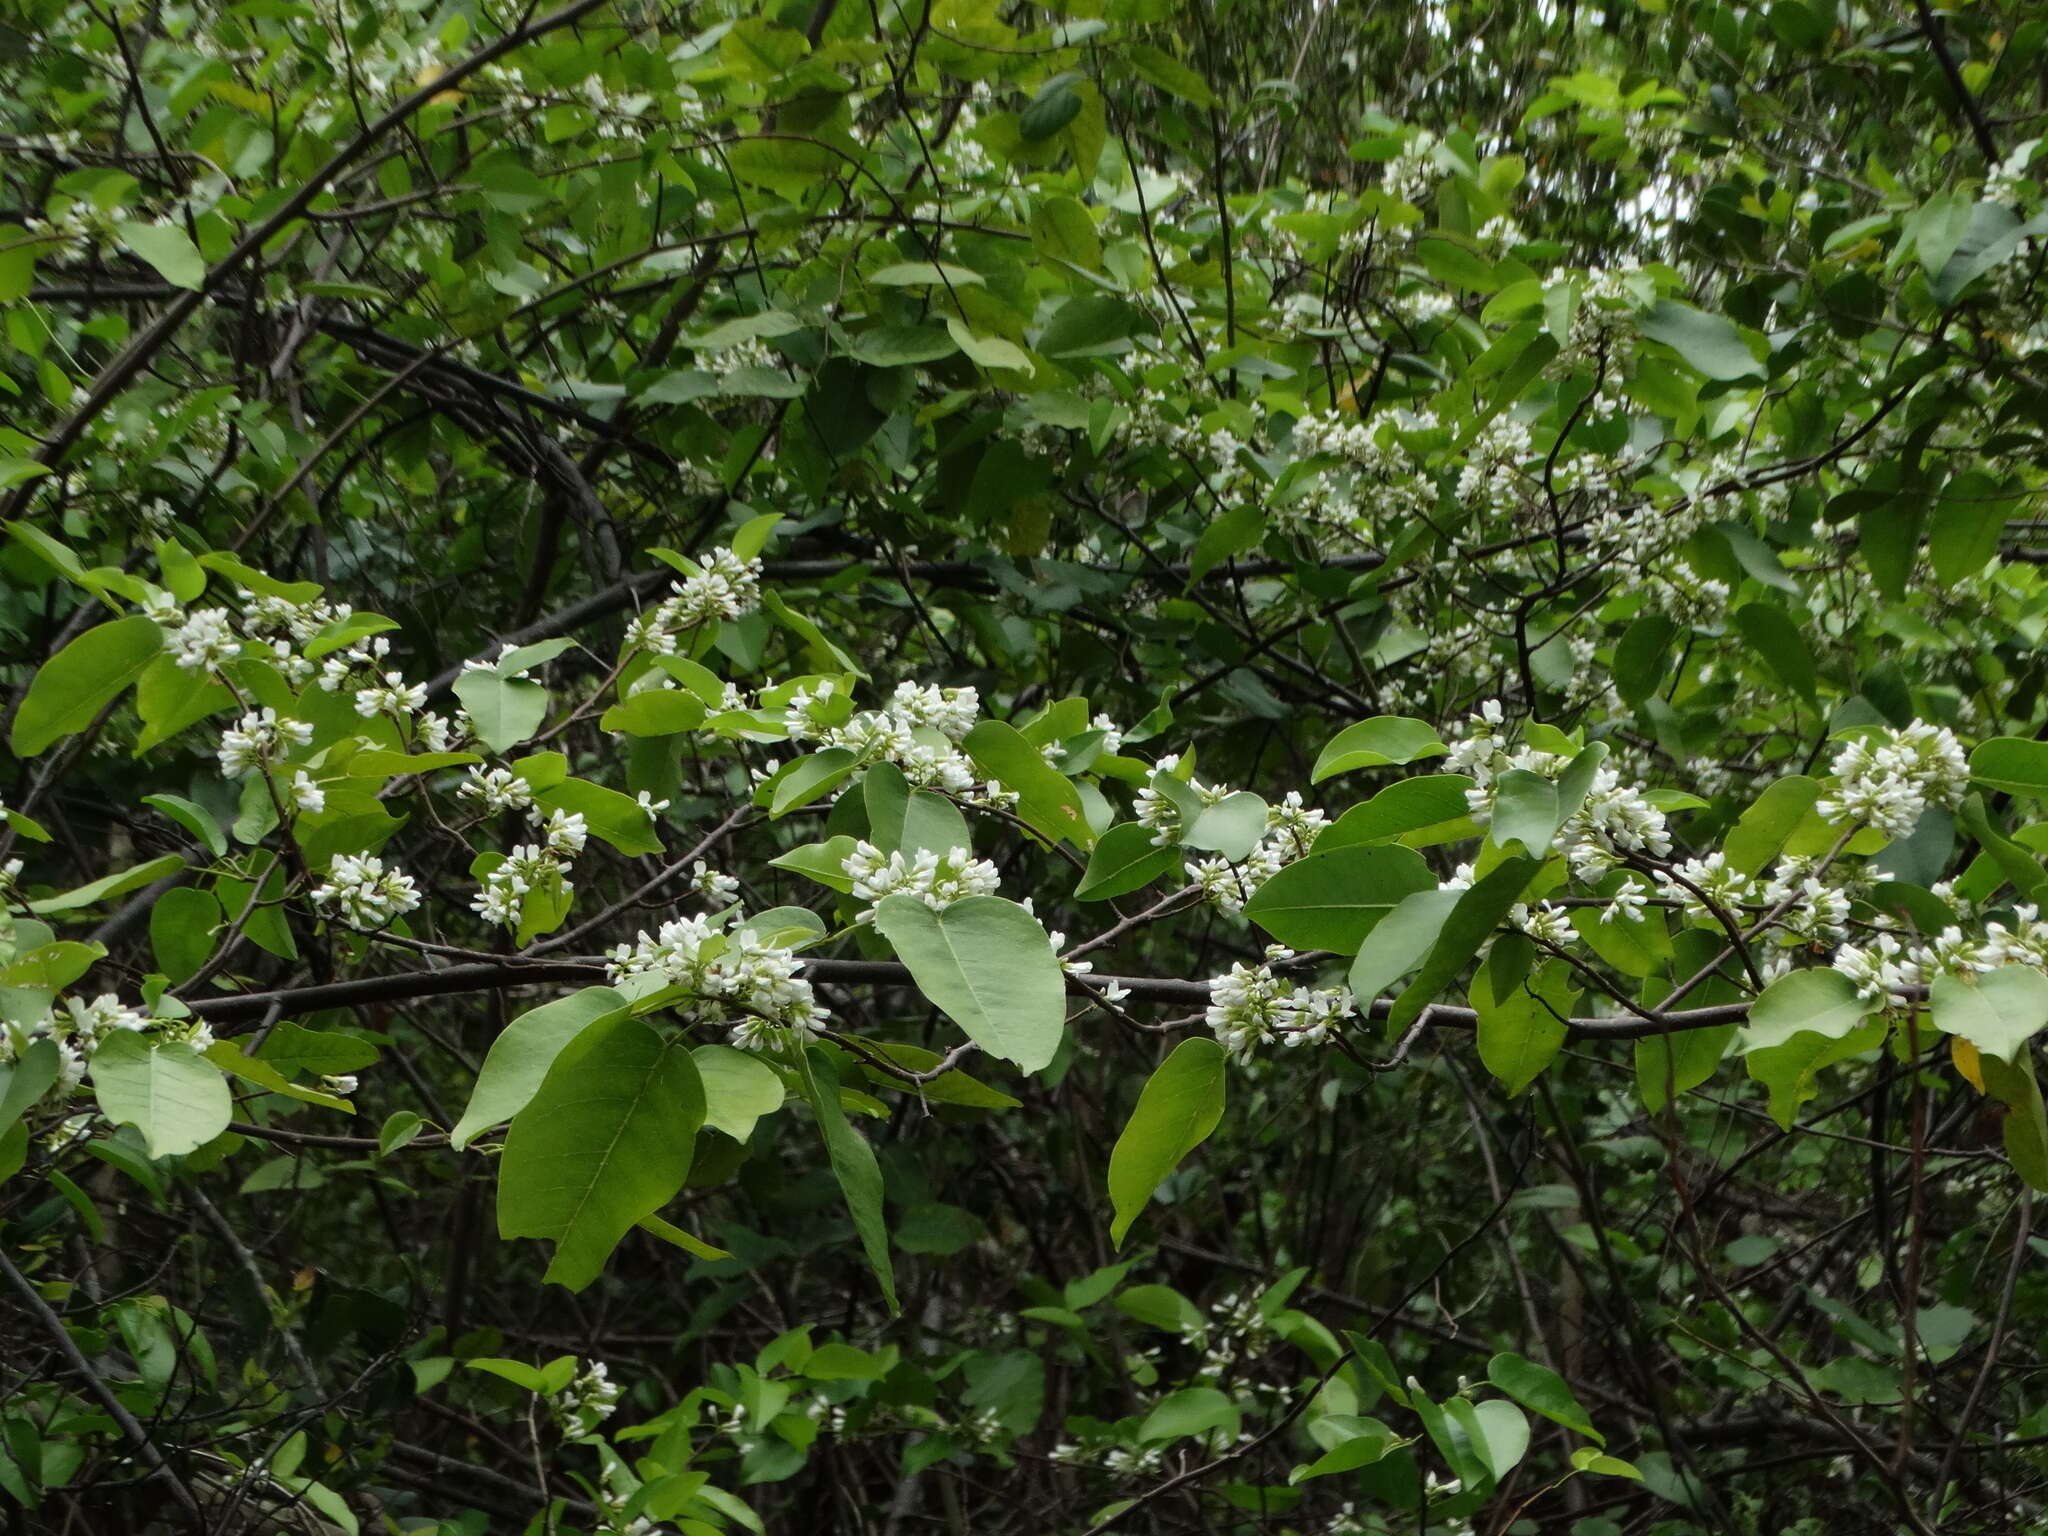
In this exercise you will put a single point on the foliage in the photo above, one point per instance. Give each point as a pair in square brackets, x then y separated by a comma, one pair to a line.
[1063, 747]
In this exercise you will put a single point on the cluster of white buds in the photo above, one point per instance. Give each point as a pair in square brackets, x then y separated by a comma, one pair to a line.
[724, 586]
[1413, 173]
[246, 747]
[1887, 780]
[918, 730]
[1252, 1007]
[281, 618]
[105, 1015]
[204, 640]
[1603, 323]
[719, 890]
[531, 867]
[1501, 233]
[1707, 888]
[1614, 820]
[1810, 909]
[934, 878]
[364, 892]
[497, 789]
[733, 976]
[588, 1400]
[1492, 477]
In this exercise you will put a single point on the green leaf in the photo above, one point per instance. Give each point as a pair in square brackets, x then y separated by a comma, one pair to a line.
[916, 274]
[164, 1088]
[1169, 74]
[319, 1052]
[1998, 1011]
[504, 710]
[2025, 1131]
[988, 965]
[1190, 1411]
[2016, 764]
[230, 1058]
[1710, 344]
[1521, 1033]
[107, 887]
[1670, 1065]
[1126, 860]
[1062, 229]
[739, 1088]
[606, 1142]
[1822, 1001]
[1046, 799]
[168, 698]
[1056, 105]
[1400, 942]
[71, 688]
[1762, 830]
[654, 712]
[1791, 1071]
[519, 1058]
[1525, 812]
[1333, 900]
[619, 819]
[854, 1166]
[989, 351]
[1178, 1107]
[1498, 1431]
[1541, 1390]
[1471, 922]
[1232, 826]
[165, 247]
[1781, 645]
[26, 1079]
[1431, 803]
[181, 928]
[1379, 742]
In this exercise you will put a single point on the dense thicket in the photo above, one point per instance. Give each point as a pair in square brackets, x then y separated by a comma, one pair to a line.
[1248, 767]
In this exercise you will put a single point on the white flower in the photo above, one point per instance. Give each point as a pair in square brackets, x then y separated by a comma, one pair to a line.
[307, 795]
[245, 747]
[733, 978]
[1888, 780]
[498, 789]
[1252, 1007]
[718, 890]
[1628, 901]
[394, 695]
[933, 878]
[588, 1400]
[105, 1015]
[203, 641]
[367, 895]
[566, 833]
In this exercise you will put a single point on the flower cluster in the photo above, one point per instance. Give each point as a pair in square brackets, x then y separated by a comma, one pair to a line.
[1252, 1007]
[733, 978]
[1888, 779]
[918, 730]
[1491, 479]
[246, 747]
[527, 868]
[203, 640]
[724, 586]
[933, 878]
[587, 1401]
[364, 892]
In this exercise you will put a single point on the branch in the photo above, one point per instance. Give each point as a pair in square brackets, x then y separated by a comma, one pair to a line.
[1937, 39]
[248, 1008]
